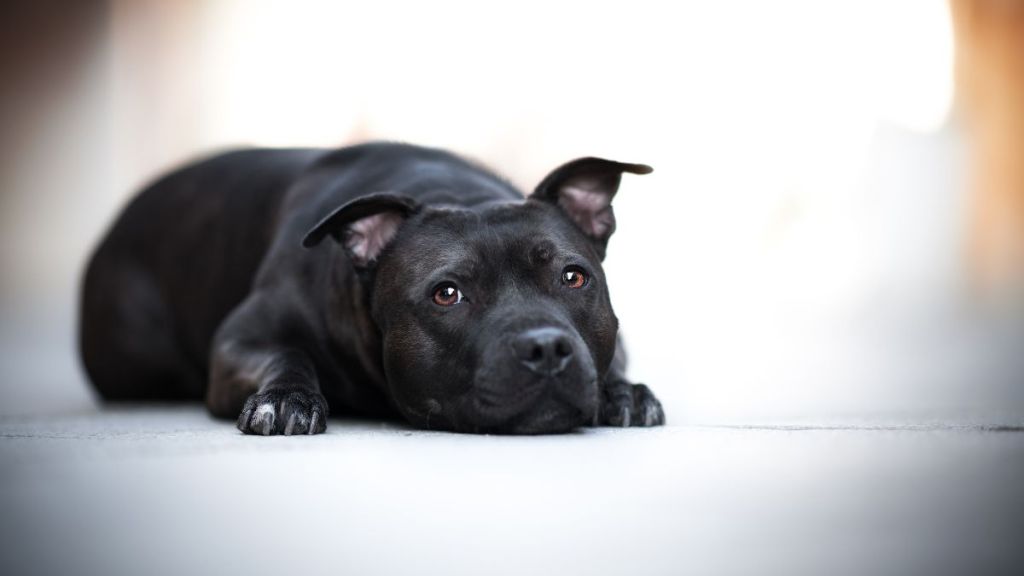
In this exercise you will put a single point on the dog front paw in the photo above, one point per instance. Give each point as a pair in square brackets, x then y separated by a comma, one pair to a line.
[624, 404]
[288, 412]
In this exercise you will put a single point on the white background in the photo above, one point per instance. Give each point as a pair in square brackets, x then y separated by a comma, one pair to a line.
[797, 253]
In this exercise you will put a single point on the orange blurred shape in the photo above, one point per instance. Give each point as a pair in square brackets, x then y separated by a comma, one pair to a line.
[990, 95]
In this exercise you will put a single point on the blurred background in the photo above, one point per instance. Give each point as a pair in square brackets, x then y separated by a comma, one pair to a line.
[834, 228]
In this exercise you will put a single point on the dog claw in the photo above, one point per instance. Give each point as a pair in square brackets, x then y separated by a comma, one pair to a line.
[650, 415]
[262, 419]
[243, 419]
[284, 412]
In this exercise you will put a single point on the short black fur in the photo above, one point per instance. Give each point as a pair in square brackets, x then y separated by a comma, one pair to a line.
[284, 285]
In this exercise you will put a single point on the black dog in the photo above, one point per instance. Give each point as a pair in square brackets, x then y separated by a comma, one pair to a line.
[445, 297]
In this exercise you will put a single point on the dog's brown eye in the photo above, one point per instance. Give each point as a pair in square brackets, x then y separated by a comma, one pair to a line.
[447, 295]
[574, 277]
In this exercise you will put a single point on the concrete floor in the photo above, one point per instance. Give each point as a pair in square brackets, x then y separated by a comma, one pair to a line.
[167, 490]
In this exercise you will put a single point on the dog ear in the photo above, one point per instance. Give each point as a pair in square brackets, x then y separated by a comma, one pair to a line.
[584, 189]
[364, 226]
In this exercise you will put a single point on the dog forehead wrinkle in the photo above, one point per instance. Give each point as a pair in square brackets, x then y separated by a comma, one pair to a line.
[542, 251]
[465, 240]
[502, 244]
[432, 247]
[453, 259]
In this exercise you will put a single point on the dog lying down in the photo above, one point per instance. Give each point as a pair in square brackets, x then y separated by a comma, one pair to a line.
[384, 280]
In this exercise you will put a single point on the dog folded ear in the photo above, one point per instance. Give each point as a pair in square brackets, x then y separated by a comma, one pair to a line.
[584, 189]
[364, 226]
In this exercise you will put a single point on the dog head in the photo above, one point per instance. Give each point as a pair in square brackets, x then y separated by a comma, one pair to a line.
[494, 318]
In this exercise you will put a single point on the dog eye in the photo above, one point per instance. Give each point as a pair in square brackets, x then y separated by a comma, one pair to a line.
[574, 277]
[447, 294]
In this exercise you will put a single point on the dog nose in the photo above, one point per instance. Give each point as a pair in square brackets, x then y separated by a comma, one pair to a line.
[546, 351]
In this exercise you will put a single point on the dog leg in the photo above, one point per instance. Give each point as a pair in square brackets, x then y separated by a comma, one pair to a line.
[271, 388]
[623, 403]
[283, 394]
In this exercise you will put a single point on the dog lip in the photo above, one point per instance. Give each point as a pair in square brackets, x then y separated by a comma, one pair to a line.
[551, 420]
[553, 409]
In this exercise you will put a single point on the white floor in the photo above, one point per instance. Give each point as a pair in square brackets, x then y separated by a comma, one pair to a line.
[166, 490]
